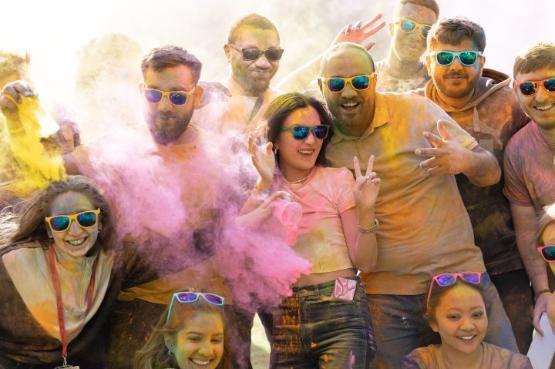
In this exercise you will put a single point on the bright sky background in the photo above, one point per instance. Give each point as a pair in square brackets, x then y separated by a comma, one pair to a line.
[52, 31]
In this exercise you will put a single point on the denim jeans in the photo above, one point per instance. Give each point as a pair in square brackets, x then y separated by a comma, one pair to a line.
[312, 329]
[400, 326]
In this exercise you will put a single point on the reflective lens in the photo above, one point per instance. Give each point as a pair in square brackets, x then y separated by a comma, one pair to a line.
[87, 219]
[548, 252]
[190, 297]
[549, 84]
[445, 280]
[466, 57]
[408, 25]
[214, 299]
[253, 53]
[301, 132]
[59, 223]
[176, 97]
[187, 297]
[360, 82]
[448, 279]
[336, 84]
[153, 95]
[472, 277]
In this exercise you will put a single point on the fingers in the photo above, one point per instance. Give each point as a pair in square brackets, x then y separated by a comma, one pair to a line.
[356, 166]
[370, 28]
[372, 21]
[370, 165]
[430, 152]
[442, 129]
[433, 139]
[368, 46]
[430, 163]
[284, 195]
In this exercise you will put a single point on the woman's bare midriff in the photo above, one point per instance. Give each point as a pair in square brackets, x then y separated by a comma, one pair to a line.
[311, 279]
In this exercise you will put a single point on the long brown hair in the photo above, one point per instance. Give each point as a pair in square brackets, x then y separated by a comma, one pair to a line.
[155, 355]
[26, 222]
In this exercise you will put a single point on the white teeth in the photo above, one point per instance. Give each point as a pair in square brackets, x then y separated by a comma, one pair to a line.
[198, 362]
[306, 152]
[544, 108]
[467, 338]
[349, 105]
[76, 242]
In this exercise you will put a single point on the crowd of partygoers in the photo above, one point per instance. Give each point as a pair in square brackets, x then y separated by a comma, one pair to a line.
[394, 213]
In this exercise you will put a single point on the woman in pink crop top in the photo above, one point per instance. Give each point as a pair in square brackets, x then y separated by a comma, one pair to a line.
[328, 308]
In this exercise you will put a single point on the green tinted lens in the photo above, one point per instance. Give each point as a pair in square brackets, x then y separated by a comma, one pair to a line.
[336, 84]
[407, 25]
[59, 223]
[549, 253]
[360, 82]
[444, 57]
[527, 88]
[549, 84]
[87, 219]
[468, 57]
[300, 132]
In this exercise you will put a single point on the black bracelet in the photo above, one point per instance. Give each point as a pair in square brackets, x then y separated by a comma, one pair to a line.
[541, 292]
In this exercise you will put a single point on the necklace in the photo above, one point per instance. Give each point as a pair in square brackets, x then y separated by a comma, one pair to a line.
[298, 180]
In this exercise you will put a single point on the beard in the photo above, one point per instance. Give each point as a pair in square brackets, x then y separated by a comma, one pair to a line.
[167, 128]
[455, 88]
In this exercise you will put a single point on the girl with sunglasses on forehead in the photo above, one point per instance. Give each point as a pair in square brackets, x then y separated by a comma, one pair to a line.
[336, 234]
[61, 273]
[456, 310]
[189, 335]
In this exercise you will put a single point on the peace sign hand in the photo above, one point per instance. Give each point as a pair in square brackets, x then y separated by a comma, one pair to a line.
[366, 186]
[264, 161]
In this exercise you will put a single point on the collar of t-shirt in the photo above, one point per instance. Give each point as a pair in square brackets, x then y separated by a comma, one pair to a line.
[381, 117]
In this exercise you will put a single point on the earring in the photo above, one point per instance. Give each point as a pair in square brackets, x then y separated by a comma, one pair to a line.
[275, 150]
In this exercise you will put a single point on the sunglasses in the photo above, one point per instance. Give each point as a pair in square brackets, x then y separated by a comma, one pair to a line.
[530, 87]
[192, 297]
[299, 132]
[449, 279]
[85, 219]
[408, 25]
[467, 57]
[176, 97]
[253, 53]
[547, 252]
[337, 84]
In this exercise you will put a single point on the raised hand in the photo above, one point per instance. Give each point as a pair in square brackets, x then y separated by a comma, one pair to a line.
[264, 161]
[11, 95]
[258, 214]
[447, 156]
[359, 33]
[366, 186]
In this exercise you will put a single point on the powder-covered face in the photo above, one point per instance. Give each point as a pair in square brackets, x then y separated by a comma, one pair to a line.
[76, 240]
[548, 238]
[253, 76]
[409, 46]
[540, 106]
[167, 121]
[299, 155]
[200, 344]
[460, 319]
[455, 80]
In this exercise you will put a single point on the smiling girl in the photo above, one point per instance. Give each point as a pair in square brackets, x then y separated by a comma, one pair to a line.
[456, 310]
[328, 307]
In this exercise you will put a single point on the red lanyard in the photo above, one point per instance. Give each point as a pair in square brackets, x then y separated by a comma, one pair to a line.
[59, 302]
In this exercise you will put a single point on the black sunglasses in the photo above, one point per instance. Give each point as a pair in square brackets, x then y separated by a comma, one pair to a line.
[253, 53]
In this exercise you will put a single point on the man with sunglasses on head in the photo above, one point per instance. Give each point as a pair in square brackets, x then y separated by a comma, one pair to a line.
[483, 104]
[529, 162]
[253, 52]
[424, 228]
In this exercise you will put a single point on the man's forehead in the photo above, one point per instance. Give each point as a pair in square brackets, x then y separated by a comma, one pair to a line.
[465, 44]
[537, 74]
[252, 36]
[178, 76]
[418, 13]
[346, 62]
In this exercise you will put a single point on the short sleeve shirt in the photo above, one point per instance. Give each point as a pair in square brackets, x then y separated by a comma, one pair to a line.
[529, 169]
[424, 227]
[325, 194]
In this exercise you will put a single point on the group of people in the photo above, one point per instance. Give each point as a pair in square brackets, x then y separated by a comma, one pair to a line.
[391, 214]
